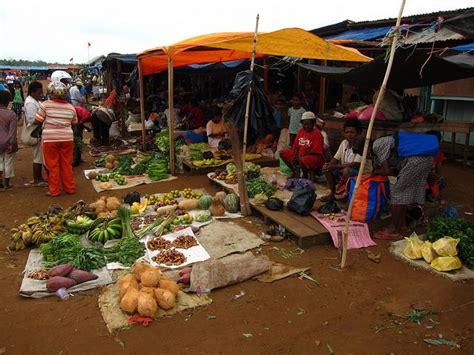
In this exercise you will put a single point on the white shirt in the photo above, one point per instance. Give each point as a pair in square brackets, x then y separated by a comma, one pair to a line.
[31, 106]
[176, 115]
[326, 140]
[345, 155]
[76, 97]
[214, 128]
[10, 79]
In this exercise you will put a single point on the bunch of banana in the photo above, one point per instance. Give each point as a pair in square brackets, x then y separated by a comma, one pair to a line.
[36, 230]
[79, 225]
[106, 230]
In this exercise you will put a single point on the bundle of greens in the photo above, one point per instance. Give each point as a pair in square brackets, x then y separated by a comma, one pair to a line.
[67, 249]
[440, 227]
[126, 251]
[258, 186]
[157, 170]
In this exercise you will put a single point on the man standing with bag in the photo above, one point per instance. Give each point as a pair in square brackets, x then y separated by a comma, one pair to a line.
[32, 104]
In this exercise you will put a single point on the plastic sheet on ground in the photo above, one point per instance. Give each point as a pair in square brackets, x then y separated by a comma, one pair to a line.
[359, 235]
[132, 181]
[397, 248]
[115, 319]
[37, 288]
[193, 255]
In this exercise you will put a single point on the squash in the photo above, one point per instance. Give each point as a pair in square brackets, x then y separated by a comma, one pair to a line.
[146, 306]
[189, 204]
[205, 202]
[166, 299]
[231, 203]
[217, 209]
[129, 302]
[220, 196]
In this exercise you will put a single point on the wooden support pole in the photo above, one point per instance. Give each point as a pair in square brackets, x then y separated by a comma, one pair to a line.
[171, 114]
[322, 92]
[142, 103]
[380, 96]
[249, 94]
[265, 74]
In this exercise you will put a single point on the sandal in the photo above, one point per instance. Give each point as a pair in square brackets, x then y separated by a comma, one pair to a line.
[386, 235]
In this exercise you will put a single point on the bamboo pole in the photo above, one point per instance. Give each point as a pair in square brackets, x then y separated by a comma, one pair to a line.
[142, 103]
[249, 93]
[380, 96]
[171, 113]
[322, 92]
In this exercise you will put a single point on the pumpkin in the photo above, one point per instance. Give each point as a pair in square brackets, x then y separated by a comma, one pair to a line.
[217, 209]
[231, 203]
[205, 202]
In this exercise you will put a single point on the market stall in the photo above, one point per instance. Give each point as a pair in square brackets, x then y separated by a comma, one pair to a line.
[220, 47]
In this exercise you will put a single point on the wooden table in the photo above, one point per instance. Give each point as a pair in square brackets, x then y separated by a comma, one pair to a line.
[201, 170]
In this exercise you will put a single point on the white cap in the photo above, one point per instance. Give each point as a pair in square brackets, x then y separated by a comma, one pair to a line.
[308, 115]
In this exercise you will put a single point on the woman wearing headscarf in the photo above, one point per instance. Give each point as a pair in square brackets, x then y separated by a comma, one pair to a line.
[57, 115]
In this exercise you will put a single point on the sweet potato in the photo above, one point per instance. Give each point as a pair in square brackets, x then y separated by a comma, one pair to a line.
[81, 276]
[170, 286]
[146, 304]
[129, 301]
[57, 282]
[150, 278]
[60, 270]
[165, 298]
[185, 271]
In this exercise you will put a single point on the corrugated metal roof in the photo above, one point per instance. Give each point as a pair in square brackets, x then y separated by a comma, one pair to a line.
[429, 36]
[363, 34]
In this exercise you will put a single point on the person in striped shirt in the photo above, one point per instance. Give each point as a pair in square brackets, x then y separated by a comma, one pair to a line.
[57, 115]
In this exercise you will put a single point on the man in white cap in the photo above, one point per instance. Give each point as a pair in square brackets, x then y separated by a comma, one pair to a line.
[75, 94]
[307, 151]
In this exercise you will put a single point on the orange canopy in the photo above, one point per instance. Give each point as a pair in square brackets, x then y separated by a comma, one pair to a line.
[219, 47]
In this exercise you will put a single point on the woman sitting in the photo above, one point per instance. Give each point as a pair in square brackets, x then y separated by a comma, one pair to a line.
[216, 128]
[307, 151]
[345, 163]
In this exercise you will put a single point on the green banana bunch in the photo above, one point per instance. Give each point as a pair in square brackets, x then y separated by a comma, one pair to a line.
[106, 230]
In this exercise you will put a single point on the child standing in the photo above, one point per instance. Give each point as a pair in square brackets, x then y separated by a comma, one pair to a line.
[8, 143]
[295, 112]
[18, 100]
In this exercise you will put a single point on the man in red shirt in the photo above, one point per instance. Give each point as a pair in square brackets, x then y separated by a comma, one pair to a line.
[307, 151]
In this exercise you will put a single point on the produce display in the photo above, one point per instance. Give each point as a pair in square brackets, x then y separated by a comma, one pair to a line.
[146, 290]
[458, 228]
[258, 186]
[170, 257]
[159, 243]
[104, 230]
[158, 170]
[205, 202]
[231, 203]
[66, 276]
[79, 225]
[203, 216]
[185, 242]
[105, 206]
[38, 229]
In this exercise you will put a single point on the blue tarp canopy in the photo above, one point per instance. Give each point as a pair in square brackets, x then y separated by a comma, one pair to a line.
[126, 58]
[464, 47]
[23, 67]
[363, 34]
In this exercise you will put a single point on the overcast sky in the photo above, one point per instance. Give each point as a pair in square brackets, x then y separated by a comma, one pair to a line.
[55, 30]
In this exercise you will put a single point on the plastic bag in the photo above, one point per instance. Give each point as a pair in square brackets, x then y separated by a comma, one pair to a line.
[274, 204]
[428, 252]
[446, 246]
[446, 263]
[302, 200]
[413, 247]
[285, 169]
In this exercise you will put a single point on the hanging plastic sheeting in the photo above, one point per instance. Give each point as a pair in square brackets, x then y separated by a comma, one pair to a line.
[261, 121]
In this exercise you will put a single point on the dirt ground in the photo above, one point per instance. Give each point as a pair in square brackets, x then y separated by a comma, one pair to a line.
[347, 314]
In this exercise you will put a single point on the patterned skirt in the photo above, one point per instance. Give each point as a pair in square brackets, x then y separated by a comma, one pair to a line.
[411, 181]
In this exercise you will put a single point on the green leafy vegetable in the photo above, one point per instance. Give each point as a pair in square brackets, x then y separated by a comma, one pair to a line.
[440, 227]
[257, 186]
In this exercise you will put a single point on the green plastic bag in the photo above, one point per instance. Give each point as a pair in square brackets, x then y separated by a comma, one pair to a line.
[284, 169]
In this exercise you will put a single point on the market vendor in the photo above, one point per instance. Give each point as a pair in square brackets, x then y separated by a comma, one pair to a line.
[216, 129]
[307, 151]
[345, 163]
[409, 188]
